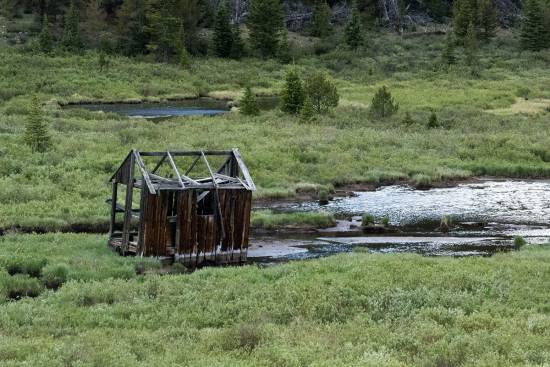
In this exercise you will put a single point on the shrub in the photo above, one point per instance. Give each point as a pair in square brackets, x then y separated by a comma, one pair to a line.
[385, 221]
[322, 92]
[249, 336]
[368, 219]
[53, 276]
[523, 92]
[432, 121]
[383, 104]
[519, 242]
[408, 120]
[249, 105]
[21, 285]
[29, 266]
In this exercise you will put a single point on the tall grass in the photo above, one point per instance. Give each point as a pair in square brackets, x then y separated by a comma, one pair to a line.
[355, 309]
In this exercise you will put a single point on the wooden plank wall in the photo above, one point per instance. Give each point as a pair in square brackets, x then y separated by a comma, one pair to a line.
[171, 226]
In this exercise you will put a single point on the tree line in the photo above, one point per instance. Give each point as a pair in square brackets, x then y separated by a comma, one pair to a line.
[169, 30]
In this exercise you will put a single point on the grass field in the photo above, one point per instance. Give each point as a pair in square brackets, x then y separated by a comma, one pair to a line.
[67, 185]
[356, 309]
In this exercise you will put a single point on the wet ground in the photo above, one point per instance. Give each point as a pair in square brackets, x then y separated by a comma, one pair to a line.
[486, 215]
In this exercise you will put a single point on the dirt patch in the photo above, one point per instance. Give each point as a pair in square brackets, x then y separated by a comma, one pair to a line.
[522, 105]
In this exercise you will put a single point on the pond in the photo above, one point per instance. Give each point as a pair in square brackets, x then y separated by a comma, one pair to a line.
[485, 215]
[163, 110]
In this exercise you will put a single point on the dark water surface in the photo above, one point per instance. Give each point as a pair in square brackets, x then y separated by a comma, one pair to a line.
[163, 110]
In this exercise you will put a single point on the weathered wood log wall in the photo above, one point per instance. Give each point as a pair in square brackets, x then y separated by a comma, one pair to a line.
[172, 226]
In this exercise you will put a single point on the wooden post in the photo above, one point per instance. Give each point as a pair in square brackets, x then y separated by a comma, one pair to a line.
[114, 195]
[128, 207]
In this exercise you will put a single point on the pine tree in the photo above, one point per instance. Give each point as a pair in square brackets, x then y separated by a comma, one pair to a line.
[185, 60]
[383, 105]
[265, 22]
[248, 104]
[131, 27]
[448, 57]
[320, 25]
[464, 13]
[71, 32]
[283, 50]
[237, 47]
[354, 29]
[293, 95]
[45, 41]
[36, 132]
[488, 19]
[223, 34]
[533, 34]
[471, 47]
[322, 92]
[307, 113]
[164, 29]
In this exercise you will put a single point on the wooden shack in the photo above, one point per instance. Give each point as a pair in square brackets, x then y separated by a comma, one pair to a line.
[175, 204]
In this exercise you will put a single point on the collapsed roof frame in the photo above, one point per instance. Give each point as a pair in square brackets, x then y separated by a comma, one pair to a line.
[225, 177]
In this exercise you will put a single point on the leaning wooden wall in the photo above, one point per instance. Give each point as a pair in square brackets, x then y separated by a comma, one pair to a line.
[170, 226]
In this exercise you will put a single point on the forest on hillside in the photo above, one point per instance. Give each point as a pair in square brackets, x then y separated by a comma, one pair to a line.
[171, 31]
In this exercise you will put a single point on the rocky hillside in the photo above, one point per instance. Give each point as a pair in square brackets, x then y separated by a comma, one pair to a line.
[386, 12]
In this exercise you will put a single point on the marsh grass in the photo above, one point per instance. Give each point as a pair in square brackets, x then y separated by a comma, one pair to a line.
[350, 309]
[266, 219]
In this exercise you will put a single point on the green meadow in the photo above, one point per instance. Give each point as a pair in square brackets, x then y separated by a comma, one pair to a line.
[348, 310]
[495, 124]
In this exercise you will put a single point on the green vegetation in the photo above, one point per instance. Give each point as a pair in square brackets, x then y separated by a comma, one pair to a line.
[265, 22]
[249, 105]
[534, 34]
[354, 29]
[360, 309]
[266, 219]
[519, 242]
[383, 105]
[293, 96]
[320, 25]
[67, 185]
[36, 132]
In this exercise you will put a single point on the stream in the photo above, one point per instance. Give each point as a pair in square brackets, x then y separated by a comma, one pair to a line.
[486, 215]
[158, 111]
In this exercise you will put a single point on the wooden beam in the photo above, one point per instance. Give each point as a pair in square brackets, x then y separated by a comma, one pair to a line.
[188, 153]
[175, 168]
[128, 207]
[144, 173]
[159, 164]
[244, 170]
[220, 215]
[114, 193]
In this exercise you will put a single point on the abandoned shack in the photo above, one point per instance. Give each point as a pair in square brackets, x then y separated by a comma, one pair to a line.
[185, 208]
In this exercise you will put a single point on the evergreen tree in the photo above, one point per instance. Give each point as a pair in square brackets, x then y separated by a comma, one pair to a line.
[131, 27]
[307, 113]
[185, 60]
[471, 47]
[265, 22]
[293, 95]
[464, 13]
[36, 132]
[283, 50]
[164, 29]
[533, 34]
[223, 34]
[320, 25]
[448, 57]
[102, 61]
[322, 92]
[248, 104]
[237, 47]
[45, 41]
[354, 28]
[488, 19]
[383, 105]
[71, 32]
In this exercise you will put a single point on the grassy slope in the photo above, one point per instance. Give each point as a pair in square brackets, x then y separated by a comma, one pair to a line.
[360, 309]
[68, 184]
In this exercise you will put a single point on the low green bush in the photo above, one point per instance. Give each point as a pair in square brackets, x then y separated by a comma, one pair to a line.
[53, 276]
[21, 285]
[24, 265]
[519, 242]
[368, 219]
[266, 219]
